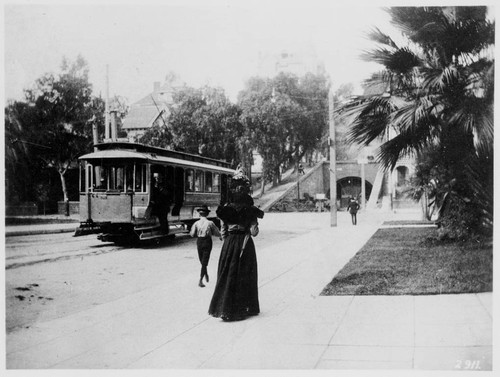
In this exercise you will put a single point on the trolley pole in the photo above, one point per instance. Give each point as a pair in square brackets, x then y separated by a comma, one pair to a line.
[106, 109]
[333, 162]
[95, 135]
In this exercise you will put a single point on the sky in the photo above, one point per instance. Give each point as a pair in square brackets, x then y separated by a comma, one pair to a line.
[212, 42]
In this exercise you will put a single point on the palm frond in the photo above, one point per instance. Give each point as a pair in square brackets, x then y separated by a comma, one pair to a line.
[479, 172]
[480, 73]
[377, 36]
[411, 20]
[475, 116]
[403, 61]
[380, 55]
[371, 119]
[409, 141]
[438, 79]
[378, 83]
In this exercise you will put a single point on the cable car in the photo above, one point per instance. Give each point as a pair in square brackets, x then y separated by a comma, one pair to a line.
[118, 182]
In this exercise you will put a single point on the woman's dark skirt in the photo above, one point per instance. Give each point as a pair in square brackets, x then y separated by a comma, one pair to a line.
[236, 292]
[204, 245]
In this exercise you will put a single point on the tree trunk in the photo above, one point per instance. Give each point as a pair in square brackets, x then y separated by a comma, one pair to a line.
[263, 183]
[425, 207]
[278, 174]
[65, 192]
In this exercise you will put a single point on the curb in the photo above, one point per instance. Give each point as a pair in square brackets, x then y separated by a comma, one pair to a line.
[15, 233]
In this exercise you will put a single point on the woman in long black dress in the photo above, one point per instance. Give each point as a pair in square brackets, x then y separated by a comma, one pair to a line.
[236, 291]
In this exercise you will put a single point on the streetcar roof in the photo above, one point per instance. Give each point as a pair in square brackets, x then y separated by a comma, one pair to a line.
[150, 157]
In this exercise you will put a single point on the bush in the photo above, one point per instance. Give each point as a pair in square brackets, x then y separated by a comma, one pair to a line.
[461, 220]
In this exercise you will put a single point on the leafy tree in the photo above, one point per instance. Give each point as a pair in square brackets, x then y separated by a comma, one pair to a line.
[285, 118]
[56, 120]
[436, 91]
[264, 118]
[157, 136]
[313, 100]
[201, 121]
[343, 150]
[21, 163]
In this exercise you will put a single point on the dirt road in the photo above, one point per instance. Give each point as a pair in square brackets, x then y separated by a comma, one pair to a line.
[51, 276]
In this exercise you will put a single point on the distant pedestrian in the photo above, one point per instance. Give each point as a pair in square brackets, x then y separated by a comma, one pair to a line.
[353, 207]
[301, 169]
[204, 229]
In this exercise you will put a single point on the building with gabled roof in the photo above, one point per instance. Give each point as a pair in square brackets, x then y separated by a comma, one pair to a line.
[150, 111]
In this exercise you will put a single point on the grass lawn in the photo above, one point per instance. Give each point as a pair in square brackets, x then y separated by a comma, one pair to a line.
[409, 261]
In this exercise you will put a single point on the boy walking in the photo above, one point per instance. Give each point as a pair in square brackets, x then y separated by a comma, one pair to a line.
[204, 229]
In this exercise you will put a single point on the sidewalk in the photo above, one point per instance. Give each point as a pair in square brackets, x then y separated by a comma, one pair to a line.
[297, 328]
[48, 224]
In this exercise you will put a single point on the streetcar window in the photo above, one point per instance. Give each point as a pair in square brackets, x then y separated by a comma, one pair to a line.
[100, 178]
[140, 178]
[112, 178]
[89, 178]
[129, 177]
[117, 178]
[208, 181]
[83, 185]
[225, 182]
[198, 181]
[216, 183]
[169, 175]
[189, 180]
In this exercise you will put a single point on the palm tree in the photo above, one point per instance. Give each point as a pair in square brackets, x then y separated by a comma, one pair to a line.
[435, 91]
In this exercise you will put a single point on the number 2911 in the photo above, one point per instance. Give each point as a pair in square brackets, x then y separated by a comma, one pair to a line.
[468, 364]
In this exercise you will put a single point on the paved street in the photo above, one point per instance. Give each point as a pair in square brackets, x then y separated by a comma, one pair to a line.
[140, 308]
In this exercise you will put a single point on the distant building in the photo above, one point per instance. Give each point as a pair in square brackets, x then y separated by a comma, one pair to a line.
[148, 112]
[391, 193]
[296, 61]
[152, 110]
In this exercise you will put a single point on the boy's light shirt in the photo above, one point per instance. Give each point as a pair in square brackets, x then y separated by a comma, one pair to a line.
[204, 228]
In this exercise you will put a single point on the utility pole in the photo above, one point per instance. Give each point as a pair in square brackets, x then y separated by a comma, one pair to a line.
[362, 164]
[298, 187]
[333, 162]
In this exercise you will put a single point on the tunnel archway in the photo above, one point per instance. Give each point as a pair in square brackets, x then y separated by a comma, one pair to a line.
[402, 175]
[351, 187]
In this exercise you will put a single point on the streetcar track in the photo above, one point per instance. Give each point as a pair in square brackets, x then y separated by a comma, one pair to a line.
[62, 257]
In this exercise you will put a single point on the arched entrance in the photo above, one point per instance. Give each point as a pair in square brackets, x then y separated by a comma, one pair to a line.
[402, 181]
[402, 173]
[351, 187]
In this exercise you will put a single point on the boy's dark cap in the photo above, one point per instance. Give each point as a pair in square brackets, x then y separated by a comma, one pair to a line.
[204, 209]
